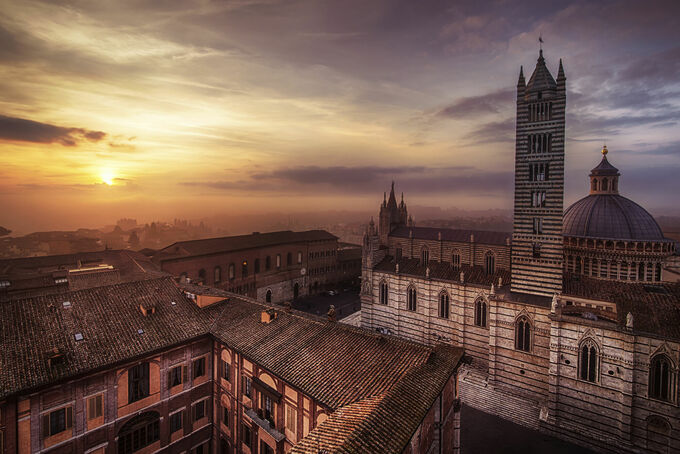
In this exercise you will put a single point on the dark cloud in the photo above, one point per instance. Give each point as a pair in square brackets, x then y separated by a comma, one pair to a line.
[477, 105]
[493, 132]
[369, 180]
[20, 129]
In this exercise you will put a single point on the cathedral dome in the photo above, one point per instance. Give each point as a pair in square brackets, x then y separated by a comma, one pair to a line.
[610, 216]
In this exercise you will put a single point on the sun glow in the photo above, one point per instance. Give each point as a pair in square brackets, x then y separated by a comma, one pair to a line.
[107, 176]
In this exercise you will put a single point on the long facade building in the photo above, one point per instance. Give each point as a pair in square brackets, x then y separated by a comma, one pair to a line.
[154, 366]
[571, 321]
[272, 267]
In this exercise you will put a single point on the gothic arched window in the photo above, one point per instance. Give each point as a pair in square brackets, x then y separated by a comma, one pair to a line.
[289, 259]
[588, 363]
[139, 432]
[662, 378]
[490, 262]
[523, 334]
[268, 296]
[593, 186]
[201, 275]
[480, 312]
[232, 271]
[217, 275]
[384, 292]
[411, 298]
[444, 304]
[425, 256]
[299, 257]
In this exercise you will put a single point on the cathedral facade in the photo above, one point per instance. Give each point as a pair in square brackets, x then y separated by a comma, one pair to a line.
[569, 323]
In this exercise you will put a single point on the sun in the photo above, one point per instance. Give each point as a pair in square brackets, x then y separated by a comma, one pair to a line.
[107, 176]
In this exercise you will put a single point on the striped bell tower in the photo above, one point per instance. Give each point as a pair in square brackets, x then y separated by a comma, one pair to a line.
[539, 182]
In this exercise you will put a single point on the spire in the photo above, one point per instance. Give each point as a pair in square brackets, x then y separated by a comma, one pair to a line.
[392, 202]
[541, 79]
[560, 72]
[520, 82]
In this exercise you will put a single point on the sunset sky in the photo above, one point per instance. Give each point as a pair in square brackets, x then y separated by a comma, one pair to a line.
[162, 109]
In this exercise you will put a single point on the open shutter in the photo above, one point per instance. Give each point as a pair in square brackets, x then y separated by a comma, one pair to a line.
[46, 426]
[185, 374]
[99, 403]
[90, 408]
[69, 417]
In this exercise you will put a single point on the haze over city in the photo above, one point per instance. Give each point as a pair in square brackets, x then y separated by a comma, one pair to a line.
[193, 108]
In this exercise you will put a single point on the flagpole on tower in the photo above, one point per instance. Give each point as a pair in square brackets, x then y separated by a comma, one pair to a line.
[540, 41]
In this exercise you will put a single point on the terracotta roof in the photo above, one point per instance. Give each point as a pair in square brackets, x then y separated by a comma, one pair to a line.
[108, 318]
[236, 243]
[655, 307]
[385, 423]
[443, 270]
[336, 364]
[457, 235]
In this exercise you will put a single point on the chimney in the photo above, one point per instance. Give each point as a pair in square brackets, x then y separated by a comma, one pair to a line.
[55, 358]
[331, 314]
[267, 316]
[147, 305]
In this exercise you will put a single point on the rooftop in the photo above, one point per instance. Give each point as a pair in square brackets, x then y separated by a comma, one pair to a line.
[336, 364]
[457, 235]
[207, 246]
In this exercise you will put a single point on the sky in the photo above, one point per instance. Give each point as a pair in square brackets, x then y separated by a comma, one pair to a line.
[189, 108]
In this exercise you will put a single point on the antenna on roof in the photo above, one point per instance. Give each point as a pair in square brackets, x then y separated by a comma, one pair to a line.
[540, 41]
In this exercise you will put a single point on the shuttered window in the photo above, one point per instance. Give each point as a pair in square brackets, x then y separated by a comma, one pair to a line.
[57, 421]
[95, 407]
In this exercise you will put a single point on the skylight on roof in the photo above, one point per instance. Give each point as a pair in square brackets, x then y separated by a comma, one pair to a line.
[79, 336]
[140, 331]
[173, 303]
[66, 304]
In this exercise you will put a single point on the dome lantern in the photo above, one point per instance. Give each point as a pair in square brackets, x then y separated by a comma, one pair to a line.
[604, 179]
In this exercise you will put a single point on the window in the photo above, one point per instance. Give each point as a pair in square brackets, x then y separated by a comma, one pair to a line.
[57, 421]
[398, 253]
[383, 293]
[225, 370]
[455, 259]
[139, 432]
[268, 296]
[593, 184]
[278, 260]
[217, 276]
[267, 263]
[175, 377]
[267, 408]
[444, 305]
[538, 226]
[299, 257]
[256, 266]
[291, 418]
[199, 367]
[538, 199]
[588, 361]
[244, 269]
[480, 313]
[201, 275]
[199, 410]
[289, 259]
[523, 334]
[232, 272]
[246, 436]
[425, 256]
[95, 406]
[490, 262]
[175, 422]
[138, 382]
[225, 416]
[538, 171]
[411, 298]
[536, 250]
[265, 448]
[662, 378]
[247, 385]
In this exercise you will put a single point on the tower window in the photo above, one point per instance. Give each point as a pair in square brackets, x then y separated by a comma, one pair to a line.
[383, 292]
[538, 199]
[490, 262]
[538, 226]
[536, 250]
[538, 171]
[455, 259]
[425, 256]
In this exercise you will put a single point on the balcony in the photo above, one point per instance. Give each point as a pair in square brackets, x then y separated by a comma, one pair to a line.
[265, 425]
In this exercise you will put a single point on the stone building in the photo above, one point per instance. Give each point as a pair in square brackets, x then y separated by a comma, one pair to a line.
[272, 267]
[570, 325]
[154, 366]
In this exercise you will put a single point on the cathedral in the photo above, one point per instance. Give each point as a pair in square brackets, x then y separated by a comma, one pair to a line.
[570, 324]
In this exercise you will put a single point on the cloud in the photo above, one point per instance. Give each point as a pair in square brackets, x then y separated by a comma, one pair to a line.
[22, 130]
[479, 105]
[493, 132]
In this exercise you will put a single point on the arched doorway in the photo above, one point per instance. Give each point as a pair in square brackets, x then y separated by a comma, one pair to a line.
[296, 290]
[268, 296]
[139, 432]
